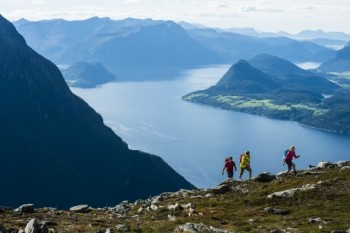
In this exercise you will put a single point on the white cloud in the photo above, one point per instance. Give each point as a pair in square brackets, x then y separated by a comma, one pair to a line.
[131, 1]
[38, 2]
[271, 15]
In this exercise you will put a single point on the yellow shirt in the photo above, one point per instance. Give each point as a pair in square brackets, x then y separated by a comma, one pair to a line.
[245, 161]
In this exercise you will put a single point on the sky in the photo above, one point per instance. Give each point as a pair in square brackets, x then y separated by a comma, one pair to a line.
[264, 15]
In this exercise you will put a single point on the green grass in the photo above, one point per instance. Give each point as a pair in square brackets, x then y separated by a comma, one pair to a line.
[244, 102]
[233, 211]
[193, 96]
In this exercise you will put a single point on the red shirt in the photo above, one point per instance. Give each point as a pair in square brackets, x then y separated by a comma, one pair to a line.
[290, 155]
[229, 166]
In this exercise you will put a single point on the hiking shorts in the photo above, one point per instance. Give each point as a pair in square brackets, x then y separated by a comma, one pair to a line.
[246, 168]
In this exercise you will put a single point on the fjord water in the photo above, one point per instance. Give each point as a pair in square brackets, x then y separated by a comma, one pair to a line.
[194, 139]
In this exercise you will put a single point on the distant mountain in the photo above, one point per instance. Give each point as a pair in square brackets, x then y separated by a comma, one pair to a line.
[340, 63]
[87, 75]
[291, 76]
[277, 66]
[130, 48]
[55, 149]
[330, 43]
[243, 78]
[233, 46]
[155, 49]
[273, 87]
[49, 37]
[314, 34]
[302, 35]
[186, 25]
[334, 40]
[249, 32]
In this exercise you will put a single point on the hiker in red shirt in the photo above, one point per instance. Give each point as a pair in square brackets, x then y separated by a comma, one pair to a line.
[229, 165]
[288, 159]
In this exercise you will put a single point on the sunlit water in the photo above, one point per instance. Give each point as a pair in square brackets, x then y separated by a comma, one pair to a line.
[194, 139]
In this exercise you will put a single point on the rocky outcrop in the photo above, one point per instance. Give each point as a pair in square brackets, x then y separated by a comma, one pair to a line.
[80, 209]
[175, 208]
[273, 210]
[291, 192]
[198, 228]
[26, 208]
[264, 177]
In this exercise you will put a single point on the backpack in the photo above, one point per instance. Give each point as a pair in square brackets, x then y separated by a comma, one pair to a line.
[240, 158]
[285, 152]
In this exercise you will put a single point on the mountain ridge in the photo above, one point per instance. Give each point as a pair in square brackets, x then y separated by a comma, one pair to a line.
[340, 63]
[71, 42]
[56, 149]
[312, 200]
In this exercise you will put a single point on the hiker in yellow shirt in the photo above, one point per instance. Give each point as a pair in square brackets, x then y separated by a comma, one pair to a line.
[244, 163]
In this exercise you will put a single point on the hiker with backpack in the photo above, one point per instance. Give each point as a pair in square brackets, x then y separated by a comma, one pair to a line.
[229, 166]
[288, 159]
[244, 163]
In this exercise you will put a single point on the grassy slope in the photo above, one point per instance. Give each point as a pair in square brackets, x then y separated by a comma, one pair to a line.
[234, 211]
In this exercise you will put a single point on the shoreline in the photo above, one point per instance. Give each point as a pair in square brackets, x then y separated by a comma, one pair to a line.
[263, 115]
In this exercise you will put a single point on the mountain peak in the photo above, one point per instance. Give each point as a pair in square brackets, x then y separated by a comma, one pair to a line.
[53, 141]
[243, 77]
[344, 53]
[8, 32]
[274, 65]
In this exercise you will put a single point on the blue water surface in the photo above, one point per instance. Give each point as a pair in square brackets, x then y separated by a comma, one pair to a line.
[194, 139]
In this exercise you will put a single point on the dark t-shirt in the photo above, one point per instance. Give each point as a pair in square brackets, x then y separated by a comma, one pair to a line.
[229, 166]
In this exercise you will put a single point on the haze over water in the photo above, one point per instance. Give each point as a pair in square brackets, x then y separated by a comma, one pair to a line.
[194, 139]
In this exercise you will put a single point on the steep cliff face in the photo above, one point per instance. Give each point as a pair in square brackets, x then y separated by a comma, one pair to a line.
[55, 149]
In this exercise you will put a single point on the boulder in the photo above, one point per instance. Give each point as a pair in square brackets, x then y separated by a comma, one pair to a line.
[32, 227]
[220, 189]
[157, 200]
[291, 192]
[315, 220]
[26, 208]
[80, 209]
[241, 188]
[324, 164]
[264, 177]
[344, 168]
[44, 228]
[122, 228]
[343, 163]
[175, 207]
[122, 208]
[197, 228]
[154, 207]
[208, 195]
[172, 218]
[273, 210]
